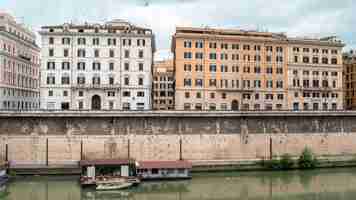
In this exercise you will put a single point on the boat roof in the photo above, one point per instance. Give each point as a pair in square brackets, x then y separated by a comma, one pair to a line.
[180, 164]
[105, 162]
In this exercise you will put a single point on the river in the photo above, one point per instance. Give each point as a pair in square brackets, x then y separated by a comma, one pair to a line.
[326, 184]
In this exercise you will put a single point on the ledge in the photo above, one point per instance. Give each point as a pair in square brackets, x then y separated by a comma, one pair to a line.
[178, 114]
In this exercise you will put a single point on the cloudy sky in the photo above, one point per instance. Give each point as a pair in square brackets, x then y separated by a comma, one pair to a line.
[313, 18]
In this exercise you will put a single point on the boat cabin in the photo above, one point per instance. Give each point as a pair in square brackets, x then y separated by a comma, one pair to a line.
[101, 170]
[156, 170]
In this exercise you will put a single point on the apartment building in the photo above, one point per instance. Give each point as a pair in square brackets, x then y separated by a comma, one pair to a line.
[19, 66]
[349, 60]
[231, 69]
[315, 74]
[97, 66]
[163, 85]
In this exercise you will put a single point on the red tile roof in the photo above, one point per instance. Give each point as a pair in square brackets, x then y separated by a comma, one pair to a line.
[164, 165]
[105, 162]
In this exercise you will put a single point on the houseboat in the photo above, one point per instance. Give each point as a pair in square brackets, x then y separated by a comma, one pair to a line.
[4, 178]
[164, 170]
[108, 174]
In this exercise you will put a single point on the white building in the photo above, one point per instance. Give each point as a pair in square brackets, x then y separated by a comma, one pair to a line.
[19, 66]
[94, 66]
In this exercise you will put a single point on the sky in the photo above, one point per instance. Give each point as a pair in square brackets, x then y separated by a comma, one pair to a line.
[304, 18]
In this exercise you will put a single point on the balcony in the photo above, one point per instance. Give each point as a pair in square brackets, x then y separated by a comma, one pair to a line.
[96, 86]
[235, 89]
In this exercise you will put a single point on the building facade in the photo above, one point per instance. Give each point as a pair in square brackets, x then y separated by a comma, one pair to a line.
[349, 60]
[19, 66]
[163, 85]
[222, 69]
[230, 69]
[97, 66]
[315, 74]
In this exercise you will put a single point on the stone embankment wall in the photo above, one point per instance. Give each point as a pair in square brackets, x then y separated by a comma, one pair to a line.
[66, 139]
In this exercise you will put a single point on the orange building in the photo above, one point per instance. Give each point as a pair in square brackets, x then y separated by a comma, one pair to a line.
[231, 69]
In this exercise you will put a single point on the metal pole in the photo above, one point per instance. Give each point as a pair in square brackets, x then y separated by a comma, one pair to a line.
[81, 150]
[6, 153]
[270, 148]
[46, 151]
[180, 149]
[128, 149]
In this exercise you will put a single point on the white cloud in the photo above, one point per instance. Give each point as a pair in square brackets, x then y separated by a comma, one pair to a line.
[297, 18]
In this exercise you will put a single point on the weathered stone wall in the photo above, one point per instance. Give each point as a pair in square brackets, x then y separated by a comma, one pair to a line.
[160, 137]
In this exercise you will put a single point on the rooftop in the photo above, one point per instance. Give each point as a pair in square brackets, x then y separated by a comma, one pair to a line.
[180, 164]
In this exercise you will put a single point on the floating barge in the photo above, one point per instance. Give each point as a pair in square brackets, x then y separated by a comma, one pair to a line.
[164, 170]
[95, 172]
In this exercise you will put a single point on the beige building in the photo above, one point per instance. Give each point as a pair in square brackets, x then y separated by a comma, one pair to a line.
[349, 60]
[315, 74]
[230, 69]
[163, 85]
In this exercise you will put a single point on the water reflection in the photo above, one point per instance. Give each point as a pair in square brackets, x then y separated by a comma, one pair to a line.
[322, 184]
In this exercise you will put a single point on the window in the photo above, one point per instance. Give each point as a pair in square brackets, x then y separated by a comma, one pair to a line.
[187, 95]
[111, 94]
[141, 94]
[96, 66]
[212, 45]
[111, 41]
[212, 95]
[96, 53]
[96, 80]
[212, 56]
[80, 105]
[315, 60]
[81, 41]
[66, 41]
[187, 44]
[65, 52]
[65, 66]
[111, 66]
[51, 65]
[296, 59]
[65, 93]
[111, 80]
[51, 80]
[51, 52]
[81, 66]
[199, 44]
[198, 95]
[126, 81]
[212, 82]
[96, 41]
[223, 95]
[199, 82]
[334, 61]
[126, 66]
[126, 106]
[305, 59]
[187, 55]
[187, 82]
[51, 40]
[140, 81]
[50, 93]
[325, 60]
[81, 53]
[187, 67]
[199, 55]
[112, 53]
[140, 66]
[212, 68]
[65, 80]
[126, 94]
[187, 106]
[81, 93]
[81, 80]
[212, 106]
[279, 70]
[127, 54]
[140, 54]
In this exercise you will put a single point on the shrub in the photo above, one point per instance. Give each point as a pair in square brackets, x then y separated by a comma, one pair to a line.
[307, 159]
[286, 161]
[272, 164]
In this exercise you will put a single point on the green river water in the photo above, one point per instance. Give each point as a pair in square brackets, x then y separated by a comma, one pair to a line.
[330, 184]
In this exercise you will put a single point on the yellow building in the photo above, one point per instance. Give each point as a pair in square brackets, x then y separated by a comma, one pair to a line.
[230, 69]
[163, 85]
[350, 80]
